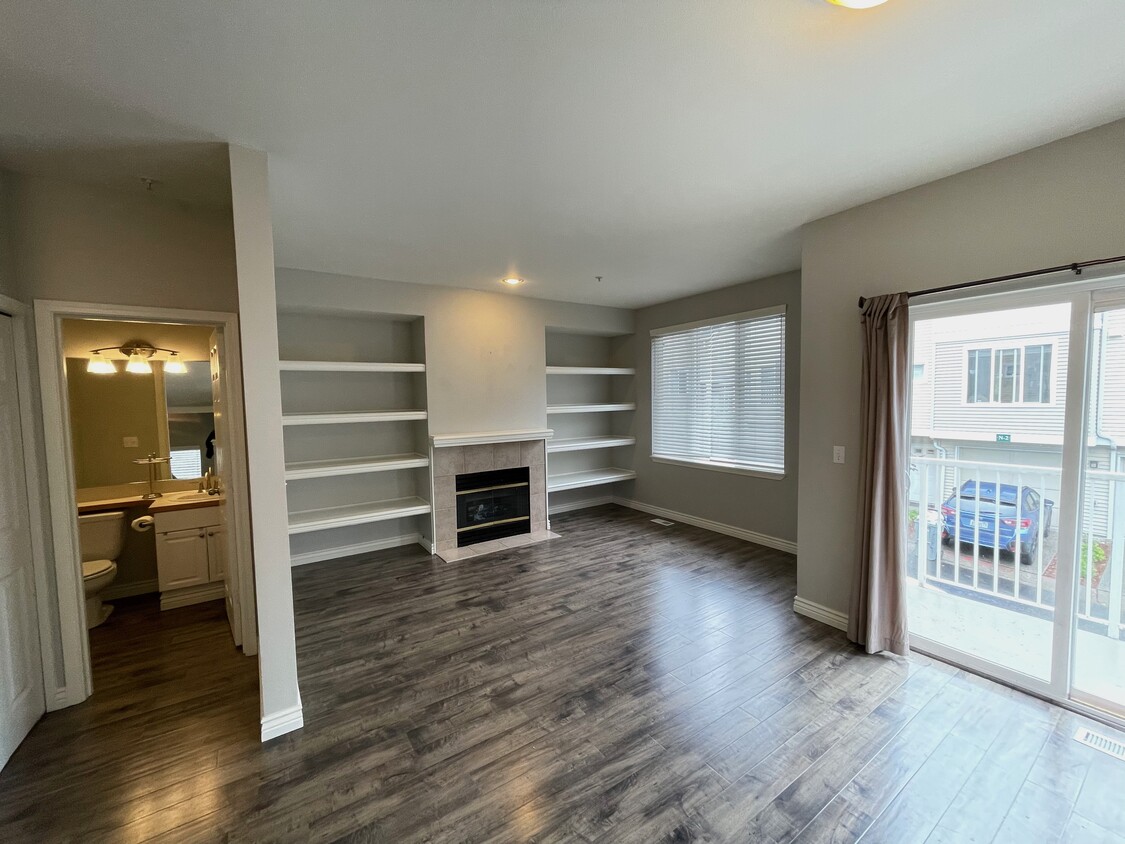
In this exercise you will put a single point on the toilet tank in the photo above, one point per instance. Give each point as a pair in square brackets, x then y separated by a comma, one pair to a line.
[101, 535]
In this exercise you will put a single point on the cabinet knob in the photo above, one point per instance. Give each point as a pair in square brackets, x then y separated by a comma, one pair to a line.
[202, 534]
[210, 533]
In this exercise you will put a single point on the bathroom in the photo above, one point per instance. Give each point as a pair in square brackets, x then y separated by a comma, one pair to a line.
[149, 498]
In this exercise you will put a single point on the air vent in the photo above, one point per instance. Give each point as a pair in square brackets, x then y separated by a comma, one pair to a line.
[663, 522]
[1097, 741]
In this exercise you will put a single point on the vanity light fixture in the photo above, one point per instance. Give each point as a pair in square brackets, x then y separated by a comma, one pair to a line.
[857, 4]
[99, 365]
[512, 281]
[139, 356]
[175, 364]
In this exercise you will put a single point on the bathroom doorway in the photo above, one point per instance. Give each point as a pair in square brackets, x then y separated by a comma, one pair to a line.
[147, 476]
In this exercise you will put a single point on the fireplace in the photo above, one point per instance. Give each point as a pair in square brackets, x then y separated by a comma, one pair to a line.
[493, 505]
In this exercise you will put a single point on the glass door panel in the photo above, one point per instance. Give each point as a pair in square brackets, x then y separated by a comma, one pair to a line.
[1098, 666]
[987, 425]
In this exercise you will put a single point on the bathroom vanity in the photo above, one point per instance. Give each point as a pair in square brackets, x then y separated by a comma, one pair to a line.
[191, 552]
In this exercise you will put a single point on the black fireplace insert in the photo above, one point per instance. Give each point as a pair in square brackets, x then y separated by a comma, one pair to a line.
[492, 505]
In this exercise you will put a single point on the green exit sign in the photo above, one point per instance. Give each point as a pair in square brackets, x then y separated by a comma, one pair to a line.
[1003, 438]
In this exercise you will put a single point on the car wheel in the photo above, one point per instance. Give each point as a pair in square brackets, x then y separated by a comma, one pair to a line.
[1027, 555]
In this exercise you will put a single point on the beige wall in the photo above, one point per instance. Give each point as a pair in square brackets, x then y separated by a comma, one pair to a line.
[104, 409]
[1059, 203]
[485, 352]
[81, 243]
[763, 506]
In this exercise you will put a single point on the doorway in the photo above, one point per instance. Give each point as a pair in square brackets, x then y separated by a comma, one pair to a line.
[145, 442]
[1017, 490]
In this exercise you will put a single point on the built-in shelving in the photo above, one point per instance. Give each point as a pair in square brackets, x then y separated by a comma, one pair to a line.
[591, 370]
[353, 466]
[589, 443]
[354, 486]
[589, 477]
[348, 366]
[589, 400]
[352, 417]
[326, 518]
[603, 407]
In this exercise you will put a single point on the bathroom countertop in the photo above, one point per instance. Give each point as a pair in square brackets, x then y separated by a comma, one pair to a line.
[156, 505]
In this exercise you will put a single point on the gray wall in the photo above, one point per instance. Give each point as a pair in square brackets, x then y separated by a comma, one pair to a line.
[485, 352]
[757, 504]
[84, 243]
[1059, 203]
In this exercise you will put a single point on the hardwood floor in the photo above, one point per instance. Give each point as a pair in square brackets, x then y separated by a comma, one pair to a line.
[625, 683]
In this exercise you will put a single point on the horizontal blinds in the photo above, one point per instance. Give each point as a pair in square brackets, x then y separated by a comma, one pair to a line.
[718, 392]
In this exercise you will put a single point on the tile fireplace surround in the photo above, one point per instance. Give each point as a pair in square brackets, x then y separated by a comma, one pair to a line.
[456, 454]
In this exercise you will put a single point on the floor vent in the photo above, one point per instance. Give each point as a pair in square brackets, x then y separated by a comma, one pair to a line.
[663, 522]
[1099, 742]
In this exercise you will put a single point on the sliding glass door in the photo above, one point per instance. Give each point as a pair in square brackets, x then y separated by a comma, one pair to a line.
[1017, 490]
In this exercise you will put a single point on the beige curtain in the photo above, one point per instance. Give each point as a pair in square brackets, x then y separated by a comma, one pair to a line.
[877, 618]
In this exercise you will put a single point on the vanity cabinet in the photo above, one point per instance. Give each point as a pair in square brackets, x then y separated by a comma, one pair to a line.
[191, 557]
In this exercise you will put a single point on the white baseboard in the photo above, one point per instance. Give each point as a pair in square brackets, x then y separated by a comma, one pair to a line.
[128, 590]
[279, 723]
[60, 699]
[192, 595]
[819, 612]
[707, 524]
[579, 505]
[339, 551]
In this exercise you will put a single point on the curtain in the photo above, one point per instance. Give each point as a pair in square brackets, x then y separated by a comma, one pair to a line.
[877, 616]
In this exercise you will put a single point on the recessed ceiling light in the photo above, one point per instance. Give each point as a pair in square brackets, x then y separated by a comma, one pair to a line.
[512, 281]
[857, 4]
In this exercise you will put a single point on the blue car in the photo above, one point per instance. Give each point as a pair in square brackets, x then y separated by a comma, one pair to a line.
[996, 523]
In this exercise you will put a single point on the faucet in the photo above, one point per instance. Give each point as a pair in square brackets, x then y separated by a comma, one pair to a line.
[210, 483]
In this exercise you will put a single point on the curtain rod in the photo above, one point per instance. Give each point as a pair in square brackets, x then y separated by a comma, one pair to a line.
[1075, 268]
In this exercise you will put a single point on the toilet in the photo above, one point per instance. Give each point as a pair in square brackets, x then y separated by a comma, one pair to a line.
[100, 539]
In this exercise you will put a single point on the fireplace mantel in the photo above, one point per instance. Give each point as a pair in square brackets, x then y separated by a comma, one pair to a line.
[486, 437]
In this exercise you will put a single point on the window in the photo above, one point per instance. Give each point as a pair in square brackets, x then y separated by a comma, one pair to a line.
[1020, 375]
[718, 392]
[919, 371]
[186, 463]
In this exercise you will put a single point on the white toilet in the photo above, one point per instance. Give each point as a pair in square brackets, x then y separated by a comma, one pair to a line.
[100, 539]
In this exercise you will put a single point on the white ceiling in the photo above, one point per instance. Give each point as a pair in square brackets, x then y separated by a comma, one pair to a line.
[670, 147]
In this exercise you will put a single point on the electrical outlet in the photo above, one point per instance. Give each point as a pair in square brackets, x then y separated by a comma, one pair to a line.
[837, 454]
[130, 442]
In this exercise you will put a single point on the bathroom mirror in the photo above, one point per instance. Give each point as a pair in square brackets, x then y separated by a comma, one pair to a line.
[191, 421]
[118, 415]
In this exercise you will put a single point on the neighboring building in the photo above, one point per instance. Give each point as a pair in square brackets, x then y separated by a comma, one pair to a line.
[993, 391]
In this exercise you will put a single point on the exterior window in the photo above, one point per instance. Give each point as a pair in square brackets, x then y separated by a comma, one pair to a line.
[1019, 375]
[718, 393]
[919, 371]
[187, 463]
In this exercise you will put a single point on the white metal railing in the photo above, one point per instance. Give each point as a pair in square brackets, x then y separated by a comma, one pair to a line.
[1013, 555]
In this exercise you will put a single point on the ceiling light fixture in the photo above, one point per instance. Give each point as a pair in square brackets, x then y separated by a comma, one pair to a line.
[857, 4]
[512, 281]
[138, 364]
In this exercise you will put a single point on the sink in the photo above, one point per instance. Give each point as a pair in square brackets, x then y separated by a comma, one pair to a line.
[189, 496]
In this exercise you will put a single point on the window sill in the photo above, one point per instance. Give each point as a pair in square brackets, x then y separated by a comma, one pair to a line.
[720, 467]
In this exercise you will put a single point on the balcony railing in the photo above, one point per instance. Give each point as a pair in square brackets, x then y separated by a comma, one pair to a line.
[989, 531]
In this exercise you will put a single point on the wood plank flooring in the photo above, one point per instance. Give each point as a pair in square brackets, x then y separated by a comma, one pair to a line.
[625, 683]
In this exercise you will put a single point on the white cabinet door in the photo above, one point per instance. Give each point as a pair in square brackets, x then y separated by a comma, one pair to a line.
[181, 559]
[217, 553]
[21, 679]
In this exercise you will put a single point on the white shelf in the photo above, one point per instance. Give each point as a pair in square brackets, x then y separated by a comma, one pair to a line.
[354, 466]
[326, 518]
[591, 370]
[590, 408]
[351, 417]
[348, 366]
[588, 443]
[591, 477]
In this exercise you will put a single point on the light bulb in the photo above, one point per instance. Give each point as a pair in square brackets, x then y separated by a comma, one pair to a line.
[857, 4]
[138, 365]
[175, 365]
[512, 281]
[99, 365]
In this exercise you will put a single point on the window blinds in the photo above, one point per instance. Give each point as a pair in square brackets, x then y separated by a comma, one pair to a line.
[718, 392]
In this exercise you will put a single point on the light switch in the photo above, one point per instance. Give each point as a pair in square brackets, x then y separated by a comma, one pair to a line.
[130, 442]
[837, 454]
